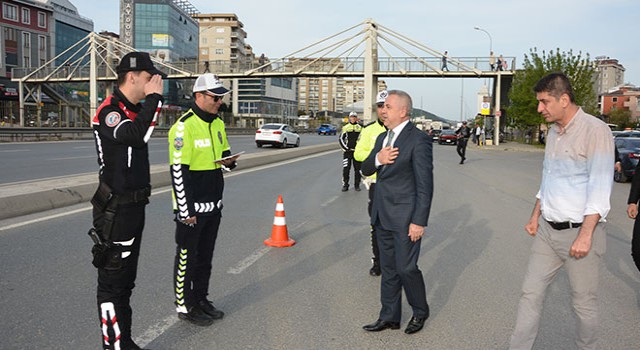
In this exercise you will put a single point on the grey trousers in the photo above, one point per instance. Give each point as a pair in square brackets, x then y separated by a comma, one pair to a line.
[549, 252]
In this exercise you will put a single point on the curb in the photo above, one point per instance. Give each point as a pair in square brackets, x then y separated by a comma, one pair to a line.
[32, 197]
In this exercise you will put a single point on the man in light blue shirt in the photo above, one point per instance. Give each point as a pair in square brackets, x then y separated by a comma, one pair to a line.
[568, 218]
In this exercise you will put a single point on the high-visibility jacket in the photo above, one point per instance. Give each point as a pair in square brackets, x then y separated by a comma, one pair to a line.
[367, 141]
[196, 140]
[349, 136]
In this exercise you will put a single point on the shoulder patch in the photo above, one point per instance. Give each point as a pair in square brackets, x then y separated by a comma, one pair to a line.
[178, 142]
[220, 137]
[112, 119]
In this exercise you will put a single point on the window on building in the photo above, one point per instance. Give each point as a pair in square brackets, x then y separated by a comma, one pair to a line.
[220, 30]
[219, 41]
[219, 51]
[10, 34]
[203, 40]
[615, 99]
[204, 52]
[10, 12]
[26, 61]
[42, 49]
[26, 15]
[42, 19]
[26, 40]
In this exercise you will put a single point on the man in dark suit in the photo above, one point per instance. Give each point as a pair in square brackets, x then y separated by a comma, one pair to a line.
[400, 211]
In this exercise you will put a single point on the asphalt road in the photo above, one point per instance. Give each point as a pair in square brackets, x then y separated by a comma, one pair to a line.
[27, 161]
[318, 294]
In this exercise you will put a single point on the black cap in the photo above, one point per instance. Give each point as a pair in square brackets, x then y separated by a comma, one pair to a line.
[138, 61]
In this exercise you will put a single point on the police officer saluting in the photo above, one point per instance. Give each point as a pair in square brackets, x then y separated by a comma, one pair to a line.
[122, 127]
[197, 142]
[348, 139]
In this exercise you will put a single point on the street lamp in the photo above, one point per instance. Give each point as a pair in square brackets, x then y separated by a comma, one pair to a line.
[490, 40]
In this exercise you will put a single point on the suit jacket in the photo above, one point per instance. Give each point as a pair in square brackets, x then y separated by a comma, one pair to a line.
[404, 189]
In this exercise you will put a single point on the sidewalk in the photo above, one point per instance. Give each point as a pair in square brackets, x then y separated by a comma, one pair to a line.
[511, 146]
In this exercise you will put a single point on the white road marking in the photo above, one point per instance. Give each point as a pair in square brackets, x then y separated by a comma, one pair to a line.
[251, 259]
[331, 200]
[248, 261]
[156, 330]
[14, 150]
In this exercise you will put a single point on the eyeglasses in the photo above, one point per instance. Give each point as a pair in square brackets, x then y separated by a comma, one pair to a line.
[216, 98]
[380, 105]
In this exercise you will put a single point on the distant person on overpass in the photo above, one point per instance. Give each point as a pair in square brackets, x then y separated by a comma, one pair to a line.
[445, 57]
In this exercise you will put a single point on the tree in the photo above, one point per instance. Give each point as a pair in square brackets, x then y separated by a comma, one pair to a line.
[620, 117]
[523, 103]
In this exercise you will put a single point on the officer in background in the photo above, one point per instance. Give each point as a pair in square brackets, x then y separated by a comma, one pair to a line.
[122, 127]
[348, 139]
[197, 142]
[364, 146]
[463, 133]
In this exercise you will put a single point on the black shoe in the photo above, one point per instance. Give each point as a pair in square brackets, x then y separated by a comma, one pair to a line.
[357, 188]
[197, 317]
[130, 345]
[381, 325]
[207, 307]
[345, 188]
[462, 161]
[375, 269]
[415, 325]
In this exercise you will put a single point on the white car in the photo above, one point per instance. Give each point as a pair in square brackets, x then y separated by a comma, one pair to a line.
[277, 135]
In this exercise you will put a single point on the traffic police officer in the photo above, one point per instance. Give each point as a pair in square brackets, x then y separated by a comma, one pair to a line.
[348, 139]
[197, 142]
[364, 146]
[122, 127]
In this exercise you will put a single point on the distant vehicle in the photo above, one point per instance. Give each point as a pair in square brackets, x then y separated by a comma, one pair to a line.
[435, 134]
[448, 137]
[628, 133]
[629, 150]
[276, 134]
[327, 129]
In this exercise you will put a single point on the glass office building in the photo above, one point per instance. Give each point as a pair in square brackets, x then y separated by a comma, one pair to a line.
[165, 29]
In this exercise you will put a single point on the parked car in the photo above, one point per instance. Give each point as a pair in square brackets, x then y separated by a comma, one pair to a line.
[448, 137]
[629, 150]
[276, 134]
[627, 133]
[327, 129]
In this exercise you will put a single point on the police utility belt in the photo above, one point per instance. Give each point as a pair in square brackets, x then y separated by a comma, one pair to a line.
[105, 253]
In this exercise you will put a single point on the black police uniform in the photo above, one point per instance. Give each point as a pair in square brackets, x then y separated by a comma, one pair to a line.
[348, 140]
[463, 134]
[122, 130]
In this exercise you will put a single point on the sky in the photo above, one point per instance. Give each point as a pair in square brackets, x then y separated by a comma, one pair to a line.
[597, 27]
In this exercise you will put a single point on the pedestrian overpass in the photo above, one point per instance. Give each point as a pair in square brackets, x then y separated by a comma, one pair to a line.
[366, 50]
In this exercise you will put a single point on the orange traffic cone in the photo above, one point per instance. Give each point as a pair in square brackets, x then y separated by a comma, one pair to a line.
[279, 236]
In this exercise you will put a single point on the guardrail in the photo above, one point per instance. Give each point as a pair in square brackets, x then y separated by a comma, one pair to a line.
[21, 134]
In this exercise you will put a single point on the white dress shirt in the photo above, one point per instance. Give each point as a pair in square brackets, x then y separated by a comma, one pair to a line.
[396, 131]
[577, 175]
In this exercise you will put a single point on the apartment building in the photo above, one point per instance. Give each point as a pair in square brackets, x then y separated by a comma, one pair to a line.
[222, 42]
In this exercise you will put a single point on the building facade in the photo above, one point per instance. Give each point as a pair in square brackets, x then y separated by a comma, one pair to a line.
[222, 43]
[25, 41]
[265, 100]
[609, 73]
[166, 30]
[624, 97]
[321, 95]
[68, 28]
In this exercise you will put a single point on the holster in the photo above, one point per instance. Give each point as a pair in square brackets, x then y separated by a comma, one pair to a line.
[106, 254]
